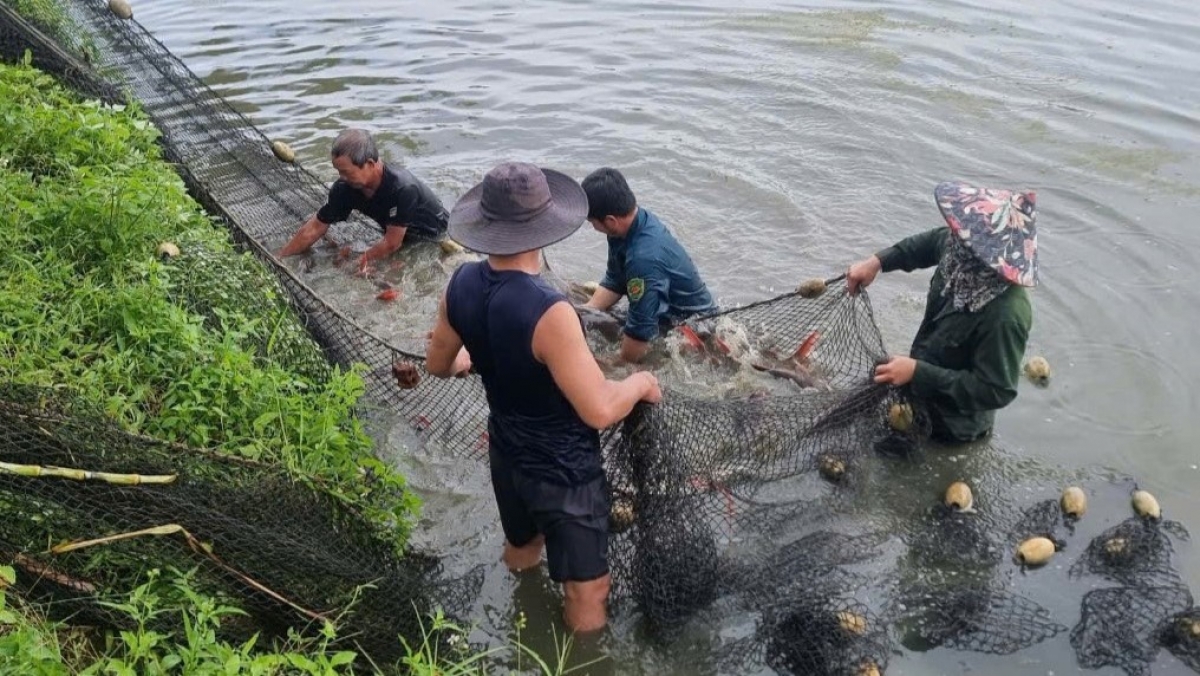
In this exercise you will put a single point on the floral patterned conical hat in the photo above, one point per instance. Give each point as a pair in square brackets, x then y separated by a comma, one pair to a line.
[999, 226]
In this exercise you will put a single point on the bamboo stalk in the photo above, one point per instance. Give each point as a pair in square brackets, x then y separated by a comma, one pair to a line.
[196, 546]
[84, 544]
[43, 571]
[87, 475]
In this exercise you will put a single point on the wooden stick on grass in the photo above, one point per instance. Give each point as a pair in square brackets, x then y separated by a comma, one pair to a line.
[198, 547]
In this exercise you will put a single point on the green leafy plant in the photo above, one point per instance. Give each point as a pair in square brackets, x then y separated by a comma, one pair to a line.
[201, 349]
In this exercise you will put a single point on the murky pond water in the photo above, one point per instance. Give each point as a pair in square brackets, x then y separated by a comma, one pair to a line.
[784, 141]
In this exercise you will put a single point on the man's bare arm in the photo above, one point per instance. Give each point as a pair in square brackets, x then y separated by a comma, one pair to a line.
[305, 237]
[558, 342]
[632, 349]
[392, 240]
[445, 355]
[603, 299]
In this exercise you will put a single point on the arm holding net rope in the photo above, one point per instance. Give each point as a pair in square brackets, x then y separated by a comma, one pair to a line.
[558, 342]
[445, 354]
[919, 251]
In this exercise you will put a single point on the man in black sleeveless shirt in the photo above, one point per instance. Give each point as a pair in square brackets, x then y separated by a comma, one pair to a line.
[546, 394]
[402, 206]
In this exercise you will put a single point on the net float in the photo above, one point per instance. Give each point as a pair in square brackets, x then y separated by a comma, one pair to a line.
[811, 288]
[868, 668]
[1116, 548]
[959, 497]
[450, 247]
[1146, 506]
[283, 152]
[1035, 551]
[1038, 370]
[621, 516]
[900, 417]
[121, 8]
[831, 468]
[852, 623]
[1074, 502]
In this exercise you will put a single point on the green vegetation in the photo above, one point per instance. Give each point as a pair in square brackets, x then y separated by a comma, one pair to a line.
[51, 17]
[200, 349]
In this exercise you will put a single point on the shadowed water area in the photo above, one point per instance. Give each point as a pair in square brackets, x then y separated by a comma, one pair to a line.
[781, 143]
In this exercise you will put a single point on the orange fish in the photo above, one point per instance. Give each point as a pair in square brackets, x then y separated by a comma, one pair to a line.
[806, 347]
[388, 294]
[722, 345]
[693, 340]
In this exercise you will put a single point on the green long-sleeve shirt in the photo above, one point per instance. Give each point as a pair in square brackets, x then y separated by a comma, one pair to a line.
[968, 363]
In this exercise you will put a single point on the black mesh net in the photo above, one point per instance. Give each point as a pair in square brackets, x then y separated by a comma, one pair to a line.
[815, 635]
[1122, 627]
[281, 549]
[1135, 552]
[1180, 634]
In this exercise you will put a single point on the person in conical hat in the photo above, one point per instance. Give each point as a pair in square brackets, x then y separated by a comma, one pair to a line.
[546, 395]
[966, 358]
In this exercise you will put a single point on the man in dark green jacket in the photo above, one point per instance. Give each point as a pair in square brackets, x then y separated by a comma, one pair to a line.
[966, 358]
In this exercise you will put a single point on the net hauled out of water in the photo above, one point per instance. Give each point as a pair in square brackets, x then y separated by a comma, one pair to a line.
[705, 513]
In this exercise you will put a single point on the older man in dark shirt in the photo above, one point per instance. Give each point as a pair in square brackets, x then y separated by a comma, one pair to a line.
[399, 202]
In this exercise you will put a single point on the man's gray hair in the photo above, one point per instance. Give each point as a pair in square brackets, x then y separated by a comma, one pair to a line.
[356, 144]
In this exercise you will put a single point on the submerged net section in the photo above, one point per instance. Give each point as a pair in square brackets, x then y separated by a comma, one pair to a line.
[1181, 635]
[1135, 552]
[1123, 627]
[286, 552]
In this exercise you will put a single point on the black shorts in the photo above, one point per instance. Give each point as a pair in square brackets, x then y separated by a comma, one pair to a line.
[574, 520]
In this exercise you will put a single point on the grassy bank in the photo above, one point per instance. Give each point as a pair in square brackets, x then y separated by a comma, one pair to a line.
[199, 348]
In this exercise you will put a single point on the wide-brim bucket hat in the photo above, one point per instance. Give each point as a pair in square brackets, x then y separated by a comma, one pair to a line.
[998, 226]
[518, 207]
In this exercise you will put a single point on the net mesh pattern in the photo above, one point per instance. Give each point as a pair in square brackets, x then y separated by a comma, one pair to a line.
[1135, 552]
[703, 491]
[1123, 626]
[291, 555]
[1180, 634]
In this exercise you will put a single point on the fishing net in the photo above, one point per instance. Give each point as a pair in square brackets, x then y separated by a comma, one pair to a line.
[970, 611]
[1043, 519]
[1181, 635]
[284, 551]
[1135, 552]
[1123, 627]
[815, 635]
[704, 489]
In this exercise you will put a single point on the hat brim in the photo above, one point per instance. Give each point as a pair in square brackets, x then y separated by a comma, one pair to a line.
[567, 211]
[998, 226]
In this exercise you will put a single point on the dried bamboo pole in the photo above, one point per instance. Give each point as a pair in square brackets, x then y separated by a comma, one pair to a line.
[86, 475]
[198, 547]
[62, 579]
